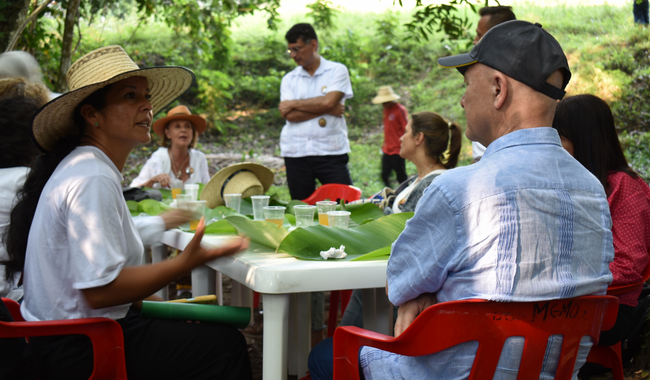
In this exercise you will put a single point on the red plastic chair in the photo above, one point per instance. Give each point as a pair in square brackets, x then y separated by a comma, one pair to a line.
[447, 324]
[104, 333]
[334, 192]
[611, 356]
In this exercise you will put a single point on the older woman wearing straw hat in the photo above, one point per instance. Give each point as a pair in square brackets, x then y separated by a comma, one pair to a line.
[84, 256]
[176, 159]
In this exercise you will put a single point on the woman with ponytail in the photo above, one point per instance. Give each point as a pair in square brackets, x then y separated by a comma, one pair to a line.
[433, 144]
[73, 238]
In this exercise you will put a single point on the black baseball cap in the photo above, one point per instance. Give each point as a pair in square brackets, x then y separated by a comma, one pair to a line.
[522, 51]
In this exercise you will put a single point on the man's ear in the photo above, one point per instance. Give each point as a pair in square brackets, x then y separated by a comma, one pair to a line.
[499, 89]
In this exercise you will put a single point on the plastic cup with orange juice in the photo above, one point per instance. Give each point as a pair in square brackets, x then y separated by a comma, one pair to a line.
[323, 208]
[177, 187]
[198, 210]
[274, 214]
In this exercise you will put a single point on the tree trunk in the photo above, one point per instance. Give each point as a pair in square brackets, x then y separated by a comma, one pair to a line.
[14, 13]
[66, 48]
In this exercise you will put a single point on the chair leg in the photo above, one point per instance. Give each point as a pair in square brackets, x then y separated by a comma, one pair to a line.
[608, 357]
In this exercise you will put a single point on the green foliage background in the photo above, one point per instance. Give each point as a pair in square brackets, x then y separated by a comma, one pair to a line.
[239, 73]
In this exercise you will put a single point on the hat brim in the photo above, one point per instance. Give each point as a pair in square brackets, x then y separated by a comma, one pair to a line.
[460, 62]
[212, 191]
[199, 123]
[54, 121]
[385, 98]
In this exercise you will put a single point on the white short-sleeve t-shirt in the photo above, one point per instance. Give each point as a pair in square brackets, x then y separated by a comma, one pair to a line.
[309, 138]
[81, 237]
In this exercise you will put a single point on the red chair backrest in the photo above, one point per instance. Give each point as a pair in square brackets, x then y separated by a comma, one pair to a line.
[104, 333]
[448, 324]
[334, 192]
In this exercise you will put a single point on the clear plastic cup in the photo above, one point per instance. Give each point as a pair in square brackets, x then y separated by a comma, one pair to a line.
[338, 219]
[323, 208]
[233, 201]
[259, 202]
[304, 215]
[274, 214]
[176, 186]
[181, 201]
[198, 210]
[193, 190]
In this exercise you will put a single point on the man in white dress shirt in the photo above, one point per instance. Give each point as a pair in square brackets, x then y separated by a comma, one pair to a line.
[314, 140]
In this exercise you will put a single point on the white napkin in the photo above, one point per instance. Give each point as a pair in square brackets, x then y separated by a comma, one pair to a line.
[334, 253]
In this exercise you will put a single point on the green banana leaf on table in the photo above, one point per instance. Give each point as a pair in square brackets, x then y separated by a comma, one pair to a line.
[148, 206]
[369, 237]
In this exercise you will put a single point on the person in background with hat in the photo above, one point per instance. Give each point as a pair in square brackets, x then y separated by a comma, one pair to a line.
[177, 158]
[530, 230]
[73, 237]
[20, 64]
[395, 120]
[314, 140]
[490, 17]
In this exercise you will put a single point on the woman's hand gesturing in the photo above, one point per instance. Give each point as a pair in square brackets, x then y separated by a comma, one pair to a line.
[197, 255]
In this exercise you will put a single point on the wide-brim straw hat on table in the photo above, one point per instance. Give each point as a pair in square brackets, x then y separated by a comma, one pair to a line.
[246, 178]
[97, 69]
[180, 113]
[385, 94]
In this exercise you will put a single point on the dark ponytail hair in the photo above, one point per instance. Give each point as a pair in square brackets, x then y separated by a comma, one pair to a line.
[22, 215]
[440, 136]
[587, 121]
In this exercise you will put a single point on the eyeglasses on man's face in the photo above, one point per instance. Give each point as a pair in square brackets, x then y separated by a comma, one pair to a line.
[296, 49]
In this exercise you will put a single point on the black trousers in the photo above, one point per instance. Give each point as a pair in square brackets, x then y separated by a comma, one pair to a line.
[154, 349]
[390, 162]
[302, 173]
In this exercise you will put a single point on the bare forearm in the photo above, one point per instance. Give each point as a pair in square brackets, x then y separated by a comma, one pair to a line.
[136, 283]
[296, 116]
[318, 105]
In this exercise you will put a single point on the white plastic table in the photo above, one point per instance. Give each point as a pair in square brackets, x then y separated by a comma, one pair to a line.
[285, 283]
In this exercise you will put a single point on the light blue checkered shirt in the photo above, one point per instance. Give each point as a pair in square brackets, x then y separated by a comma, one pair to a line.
[526, 223]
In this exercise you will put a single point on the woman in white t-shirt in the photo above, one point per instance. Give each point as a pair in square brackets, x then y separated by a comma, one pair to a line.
[73, 235]
[177, 158]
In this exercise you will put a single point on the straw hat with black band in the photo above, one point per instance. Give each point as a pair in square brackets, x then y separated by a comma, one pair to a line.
[385, 94]
[246, 178]
[180, 113]
[97, 69]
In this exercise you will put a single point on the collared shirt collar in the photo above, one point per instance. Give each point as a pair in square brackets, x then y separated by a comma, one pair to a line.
[540, 135]
[324, 66]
